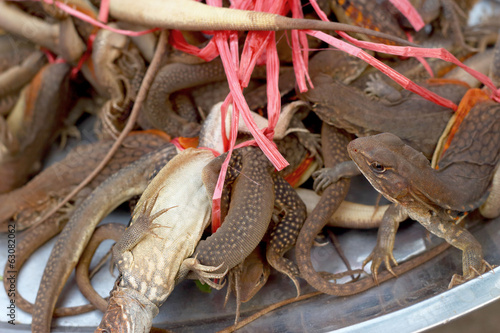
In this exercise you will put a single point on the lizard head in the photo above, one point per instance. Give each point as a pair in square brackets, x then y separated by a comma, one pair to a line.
[128, 311]
[387, 163]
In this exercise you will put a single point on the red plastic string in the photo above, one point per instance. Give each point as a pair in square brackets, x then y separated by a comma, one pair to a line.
[406, 8]
[51, 57]
[85, 56]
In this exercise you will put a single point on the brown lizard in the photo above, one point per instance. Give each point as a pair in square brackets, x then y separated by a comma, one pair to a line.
[158, 109]
[129, 181]
[28, 203]
[33, 124]
[154, 252]
[247, 217]
[42, 192]
[399, 116]
[60, 38]
[255, 190]
[435, 198]
[332, 111]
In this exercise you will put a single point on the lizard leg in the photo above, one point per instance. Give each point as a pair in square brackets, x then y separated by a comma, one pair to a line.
[377, 87]
[143, 226]
[382, 253]
[285, 234]
[328, 176]
[473, 263]
[202, 272]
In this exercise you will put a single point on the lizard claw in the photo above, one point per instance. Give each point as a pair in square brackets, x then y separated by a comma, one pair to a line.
[374, 86]
[377, 257]
[324, 178]
[205, 273]
[458, 279]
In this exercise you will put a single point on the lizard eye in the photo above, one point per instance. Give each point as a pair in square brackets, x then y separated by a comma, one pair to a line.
[377, 167]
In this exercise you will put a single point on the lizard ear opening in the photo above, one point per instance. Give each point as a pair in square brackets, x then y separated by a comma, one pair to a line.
[377, 167]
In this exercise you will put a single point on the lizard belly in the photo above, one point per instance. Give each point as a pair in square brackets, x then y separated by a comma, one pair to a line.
[152, 265]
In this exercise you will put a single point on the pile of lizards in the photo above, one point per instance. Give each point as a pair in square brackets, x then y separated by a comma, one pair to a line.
[159, 116]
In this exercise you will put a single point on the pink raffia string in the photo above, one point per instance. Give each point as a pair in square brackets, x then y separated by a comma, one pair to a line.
[238, 72]
[300, 50]
[104, 11]
[411, 14]
[390, 72]
[422, 60]
[408, 51]
[51, 57]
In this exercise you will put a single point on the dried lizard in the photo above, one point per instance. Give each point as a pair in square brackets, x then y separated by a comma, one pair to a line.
[41, 193]
[33, 125]
[435, 198]
[129, 181]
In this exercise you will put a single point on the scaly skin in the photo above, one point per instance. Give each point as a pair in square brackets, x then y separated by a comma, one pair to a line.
[121, 186]
[31, 200]
[16, 77]
[254, 191]
[435, 198]
[253, 196]
[368, 14]
[173, 77]
[27, 204]
[60, 38]
[106, 231]
[419, 122]
[333, 142]
[34, 125]
[61, 177]
[13, 51]
[151, 261]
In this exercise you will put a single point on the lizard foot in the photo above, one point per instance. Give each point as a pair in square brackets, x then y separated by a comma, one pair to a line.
[377, 257]
[324, 178]
[377, 87]
[204, 273]
[313, 145]
[285, 266]
[458, 279]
